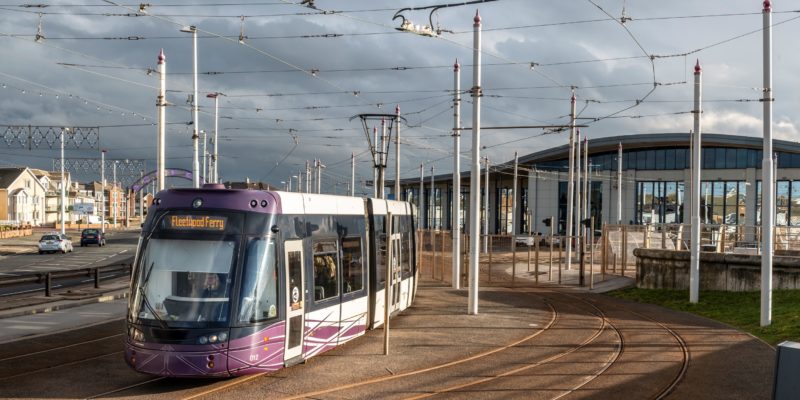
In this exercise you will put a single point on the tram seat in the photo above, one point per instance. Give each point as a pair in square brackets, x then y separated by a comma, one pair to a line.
[319, 292]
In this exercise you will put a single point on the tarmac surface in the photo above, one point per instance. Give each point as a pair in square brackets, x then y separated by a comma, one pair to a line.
[528, 342]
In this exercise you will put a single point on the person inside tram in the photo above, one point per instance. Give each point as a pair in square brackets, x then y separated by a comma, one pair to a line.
[212, 286]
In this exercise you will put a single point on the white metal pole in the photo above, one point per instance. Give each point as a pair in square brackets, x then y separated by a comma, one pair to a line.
[570, 181]
[694, 257]
[456, 207]
[486, 207]
[375, 162]
[63, 185]
[586, 212]
[578, 192]
[215, 158]
[421, 197]
[619, 183]
[352, 174]
[768, 191]
[383, 157]
[162, 120]
[103, 190]
[205, 158]
[475, 182]
[115, 195]
[299, 181]
[514, 212]
[397, 153]
[319, 176]
[432, 205]
[141, 197]
[195, 111]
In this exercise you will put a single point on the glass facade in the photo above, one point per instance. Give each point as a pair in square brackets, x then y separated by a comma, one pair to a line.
[524, 214]
[679, 158]
[659, 202]
[433, 208]
[723, 202]
[504, 198]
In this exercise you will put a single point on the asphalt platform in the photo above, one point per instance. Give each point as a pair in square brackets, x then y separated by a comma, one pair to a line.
[527, 341]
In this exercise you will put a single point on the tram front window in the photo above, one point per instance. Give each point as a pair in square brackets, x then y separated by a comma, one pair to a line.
[186, 281]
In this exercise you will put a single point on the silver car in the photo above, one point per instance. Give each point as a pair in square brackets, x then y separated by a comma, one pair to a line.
[54, 242]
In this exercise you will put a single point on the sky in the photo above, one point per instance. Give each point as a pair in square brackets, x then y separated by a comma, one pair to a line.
[300, 75]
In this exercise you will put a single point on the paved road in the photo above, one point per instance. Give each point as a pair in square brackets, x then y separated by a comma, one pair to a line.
[119, 246]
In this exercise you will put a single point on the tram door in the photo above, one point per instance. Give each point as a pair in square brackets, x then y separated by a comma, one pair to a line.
[294, 302]
[397, 271]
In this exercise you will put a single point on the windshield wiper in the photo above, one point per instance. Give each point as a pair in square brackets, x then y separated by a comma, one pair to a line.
[150, 308]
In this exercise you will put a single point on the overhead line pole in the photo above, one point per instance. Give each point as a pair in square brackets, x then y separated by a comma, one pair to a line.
[475, 183]
[768, 215]
[161, 106]
[694, 255]
[397, 154]
[456, 207]
[570, 181]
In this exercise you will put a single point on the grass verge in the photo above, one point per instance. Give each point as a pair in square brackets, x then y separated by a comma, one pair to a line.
[738, 309]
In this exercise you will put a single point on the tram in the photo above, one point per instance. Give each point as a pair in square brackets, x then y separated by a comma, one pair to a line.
[233, 282]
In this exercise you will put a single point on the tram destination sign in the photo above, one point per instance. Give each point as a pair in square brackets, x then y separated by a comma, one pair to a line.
[196, 222]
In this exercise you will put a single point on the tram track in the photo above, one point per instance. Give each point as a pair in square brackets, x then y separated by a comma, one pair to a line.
[508, 349]
[559, 314]
[395, 376]
[685, 353]
[59, 357]
[605, 324]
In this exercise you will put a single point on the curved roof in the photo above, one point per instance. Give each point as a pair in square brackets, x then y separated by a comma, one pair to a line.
[633, 142]
[659, 140]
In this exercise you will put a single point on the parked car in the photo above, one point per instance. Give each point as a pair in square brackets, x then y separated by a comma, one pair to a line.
[54, 242]
[93, 236]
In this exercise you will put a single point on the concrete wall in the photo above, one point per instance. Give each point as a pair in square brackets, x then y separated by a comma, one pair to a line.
[669, 269]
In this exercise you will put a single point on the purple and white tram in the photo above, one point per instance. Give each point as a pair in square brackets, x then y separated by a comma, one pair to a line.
[233, 282]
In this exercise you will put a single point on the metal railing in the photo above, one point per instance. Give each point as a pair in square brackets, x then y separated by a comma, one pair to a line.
[511, 259]
[46, 279]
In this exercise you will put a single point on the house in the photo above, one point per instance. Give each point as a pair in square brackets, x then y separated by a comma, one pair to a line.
[22, 197]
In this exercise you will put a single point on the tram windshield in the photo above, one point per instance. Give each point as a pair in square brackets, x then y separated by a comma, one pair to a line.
[187, 281]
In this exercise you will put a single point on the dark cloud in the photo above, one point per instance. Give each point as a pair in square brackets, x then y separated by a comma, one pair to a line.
[257, 132]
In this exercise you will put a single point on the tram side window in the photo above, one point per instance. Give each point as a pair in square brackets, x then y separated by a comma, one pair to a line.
[326, 283]
[259, 282]
[352, 265]
[404, 228]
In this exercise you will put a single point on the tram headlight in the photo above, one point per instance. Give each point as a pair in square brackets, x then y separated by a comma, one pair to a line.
[202, 340]
[223, 336]
[135, 334]
[212, 338]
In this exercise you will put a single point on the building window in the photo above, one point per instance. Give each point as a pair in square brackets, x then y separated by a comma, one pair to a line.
[723, 202]
[505, 207]
[525, 211]
[562, 208]
[659, 202]
[433, 208]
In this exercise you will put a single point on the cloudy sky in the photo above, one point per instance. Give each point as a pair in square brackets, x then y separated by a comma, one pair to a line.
[302, 73]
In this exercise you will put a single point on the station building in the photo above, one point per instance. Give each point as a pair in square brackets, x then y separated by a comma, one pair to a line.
[655, 184]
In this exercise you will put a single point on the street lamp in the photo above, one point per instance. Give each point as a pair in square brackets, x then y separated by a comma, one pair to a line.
[64, 131]
[205, 153]
[195, 134]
